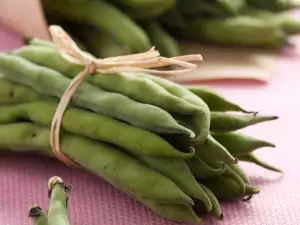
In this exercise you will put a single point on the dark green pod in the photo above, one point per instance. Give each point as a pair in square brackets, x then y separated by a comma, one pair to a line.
[52, 83]
[227, 189]
[239, 170]
[99, 43]
[239, 144]
[211, 151]
[141, 90]
[105, 17]
[215, 101]
[199, 207]
[227, 122]
[238, 31]
[161, 39]
[274, 5]
[178, 171]
[116, 167]
[254, 159]
[201, 169]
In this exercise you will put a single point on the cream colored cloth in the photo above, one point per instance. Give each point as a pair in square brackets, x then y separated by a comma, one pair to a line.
[229, 63]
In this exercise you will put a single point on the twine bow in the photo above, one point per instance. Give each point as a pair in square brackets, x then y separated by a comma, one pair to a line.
[141, 62]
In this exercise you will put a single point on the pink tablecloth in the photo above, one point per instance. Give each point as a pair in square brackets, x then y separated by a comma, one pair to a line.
[94, 202]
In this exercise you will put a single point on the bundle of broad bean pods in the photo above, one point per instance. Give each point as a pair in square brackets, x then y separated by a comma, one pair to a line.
[174, 149]
[110, 28]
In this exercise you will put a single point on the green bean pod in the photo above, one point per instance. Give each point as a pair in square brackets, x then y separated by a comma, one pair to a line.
[255, 160]
[37, 216]
[173, 17]
[202, 116]
[240, 144]
[239, 170]
[100, 44]
[161, 39]
[230, 172]
[195, 7]
[145, 10]
[201, 169]
[227, 189]
[289, 24]
[117, 168]
[38, 42]
[215, 101]
[131, 85]
[95, 126]
[274, 5]
[238, 31]
[58, 194]
[146, 4]
[111, 20]
[178, 171]
[50, 82]
[174, 212]
[227, 122]
[211, 150]
[12, 93]
[216, 208]
[233, 7]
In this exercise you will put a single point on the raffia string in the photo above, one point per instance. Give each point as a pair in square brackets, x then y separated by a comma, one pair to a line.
[127, 63]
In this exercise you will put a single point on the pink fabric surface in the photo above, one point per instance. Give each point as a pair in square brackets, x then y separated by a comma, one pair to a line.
[94, 202]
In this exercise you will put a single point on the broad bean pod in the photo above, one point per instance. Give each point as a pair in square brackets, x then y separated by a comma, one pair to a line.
[240, 144]
[230, 172]
[202, 116]
[161, 39]
[178, 171]
[195, 7]
[255, 160]
[57, 212]
[112, 20]
[211, 150]
[92, 125]
[215, 101]
[175, 212]
[12, 92]
[145, 10]
[201, 169]
[117, 168]
[239, 31]
[100, 44]
[274, 5]
[87, 96]
[239, 170]
[38, 42]
[128, 84]
[233, 7]
[227, 122]
[216, 208]
[227, 189]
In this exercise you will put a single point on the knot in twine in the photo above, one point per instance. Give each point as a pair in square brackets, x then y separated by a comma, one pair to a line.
[140, 62]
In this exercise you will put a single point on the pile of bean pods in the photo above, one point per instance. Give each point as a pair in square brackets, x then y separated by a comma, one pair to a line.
[116, 27]
[173, 148]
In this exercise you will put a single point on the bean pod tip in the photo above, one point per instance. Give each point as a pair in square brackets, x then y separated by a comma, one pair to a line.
[34, 211]
[53, 181]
